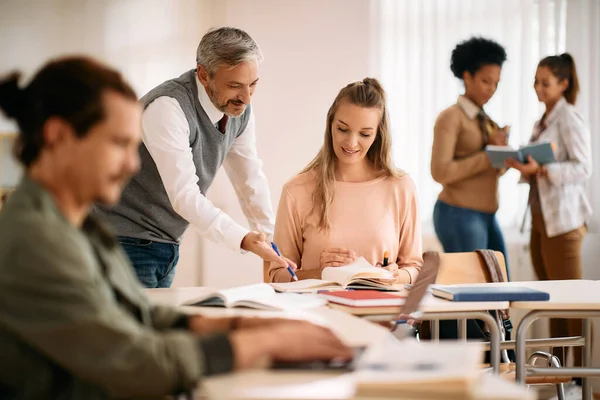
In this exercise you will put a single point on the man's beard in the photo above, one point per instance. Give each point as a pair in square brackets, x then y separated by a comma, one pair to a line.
[213, 95]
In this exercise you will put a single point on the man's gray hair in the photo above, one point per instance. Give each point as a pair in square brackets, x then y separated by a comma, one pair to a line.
[226, 46]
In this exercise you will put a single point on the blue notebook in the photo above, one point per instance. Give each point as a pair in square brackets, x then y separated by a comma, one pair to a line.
[491, 293]
[543, 153]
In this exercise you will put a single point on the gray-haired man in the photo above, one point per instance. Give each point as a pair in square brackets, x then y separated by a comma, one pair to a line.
[191, 126]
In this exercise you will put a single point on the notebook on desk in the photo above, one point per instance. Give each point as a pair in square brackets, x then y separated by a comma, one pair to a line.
[358, 275]
[488, 293]
[260, 296]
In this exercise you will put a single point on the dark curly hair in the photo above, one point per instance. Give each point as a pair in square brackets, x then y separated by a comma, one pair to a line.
[473, 54]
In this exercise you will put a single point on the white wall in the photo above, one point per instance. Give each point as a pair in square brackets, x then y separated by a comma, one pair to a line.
[148, 50]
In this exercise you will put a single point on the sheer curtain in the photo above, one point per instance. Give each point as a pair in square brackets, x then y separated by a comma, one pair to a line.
[583, 41]
[416, 38]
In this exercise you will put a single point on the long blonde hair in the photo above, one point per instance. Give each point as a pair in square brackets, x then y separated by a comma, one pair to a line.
[367, 93]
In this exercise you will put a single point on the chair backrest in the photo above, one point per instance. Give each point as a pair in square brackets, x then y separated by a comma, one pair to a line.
[465, 268]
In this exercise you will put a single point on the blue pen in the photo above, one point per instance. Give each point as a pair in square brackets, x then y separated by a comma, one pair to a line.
[289, 268]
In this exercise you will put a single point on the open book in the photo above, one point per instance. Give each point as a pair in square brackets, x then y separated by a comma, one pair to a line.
[260, 296]
[358, 275]
[542, 153]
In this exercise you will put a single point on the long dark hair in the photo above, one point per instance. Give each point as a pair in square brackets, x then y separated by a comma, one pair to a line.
[69, 88]
[563, 67]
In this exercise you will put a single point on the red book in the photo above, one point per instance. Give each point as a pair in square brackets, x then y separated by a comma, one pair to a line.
[365, 298]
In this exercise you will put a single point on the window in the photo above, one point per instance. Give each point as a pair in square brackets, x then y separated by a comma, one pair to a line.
[416, 38]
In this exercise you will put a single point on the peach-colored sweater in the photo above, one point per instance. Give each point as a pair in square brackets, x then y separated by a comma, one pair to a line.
[368, 217]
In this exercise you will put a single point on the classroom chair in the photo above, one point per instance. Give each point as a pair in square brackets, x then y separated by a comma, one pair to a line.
[465, 268]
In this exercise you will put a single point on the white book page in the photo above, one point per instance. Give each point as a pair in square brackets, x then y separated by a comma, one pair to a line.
[284, 302]
[492, 147]
[249, 292]
[359, 268]
[304, 286]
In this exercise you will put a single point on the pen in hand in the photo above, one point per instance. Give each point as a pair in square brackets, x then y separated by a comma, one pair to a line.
[289, 267]
[386, 257]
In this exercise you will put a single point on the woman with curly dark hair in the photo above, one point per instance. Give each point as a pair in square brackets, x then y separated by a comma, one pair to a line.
[464, 215]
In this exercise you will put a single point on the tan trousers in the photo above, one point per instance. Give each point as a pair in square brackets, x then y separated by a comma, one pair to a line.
[558, 258]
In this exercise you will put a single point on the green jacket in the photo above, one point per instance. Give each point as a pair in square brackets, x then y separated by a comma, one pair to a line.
[74, 321]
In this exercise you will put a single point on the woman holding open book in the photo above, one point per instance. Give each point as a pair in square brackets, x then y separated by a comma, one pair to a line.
[351, 201]
[557, 194]
[464, 215]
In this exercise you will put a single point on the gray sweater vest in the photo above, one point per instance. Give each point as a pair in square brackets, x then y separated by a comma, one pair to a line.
[145, 211]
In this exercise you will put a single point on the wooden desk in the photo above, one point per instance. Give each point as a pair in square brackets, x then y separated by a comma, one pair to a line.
[564, 295]
[353, 331]
[272, 385]
[568, 299]
[436, 309]
[433, 308]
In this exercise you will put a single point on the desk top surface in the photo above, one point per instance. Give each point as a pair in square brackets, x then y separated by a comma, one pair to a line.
[564, 295]
[281, 385]
[265, 384]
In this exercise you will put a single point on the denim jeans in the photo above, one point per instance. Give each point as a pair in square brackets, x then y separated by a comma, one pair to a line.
[462, 230]
[154, 262]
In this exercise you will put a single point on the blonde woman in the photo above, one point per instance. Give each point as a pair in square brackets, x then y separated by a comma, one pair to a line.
[350, 201]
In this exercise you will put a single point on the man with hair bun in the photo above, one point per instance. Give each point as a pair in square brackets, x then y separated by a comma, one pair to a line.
[74, 320]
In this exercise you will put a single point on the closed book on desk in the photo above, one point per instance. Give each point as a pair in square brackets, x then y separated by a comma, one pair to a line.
[365, 311]
[542, 153]
[409, 369]
[260, 296]
[365, 302]
[488, 293]
[358, 275]
[364, 298]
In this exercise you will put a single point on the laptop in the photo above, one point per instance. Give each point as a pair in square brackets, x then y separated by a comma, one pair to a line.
[427, 276]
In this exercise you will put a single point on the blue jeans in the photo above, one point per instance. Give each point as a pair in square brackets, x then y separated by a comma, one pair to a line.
[462, 230]
[154, 262]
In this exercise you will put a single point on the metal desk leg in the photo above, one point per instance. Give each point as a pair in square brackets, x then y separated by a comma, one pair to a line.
[494, 339]
[521, 373]
[520, 348]
[462, 329]
[482, 315]
[435, 330]
[587, 357]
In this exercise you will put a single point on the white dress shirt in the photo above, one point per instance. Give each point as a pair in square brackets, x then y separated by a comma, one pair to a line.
[562, 192]
[166, 134]
[471, 109]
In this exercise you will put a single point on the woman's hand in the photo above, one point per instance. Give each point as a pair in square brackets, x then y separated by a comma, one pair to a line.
[393, 268]
[529, 169]
[499, 137]
[336, 257]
